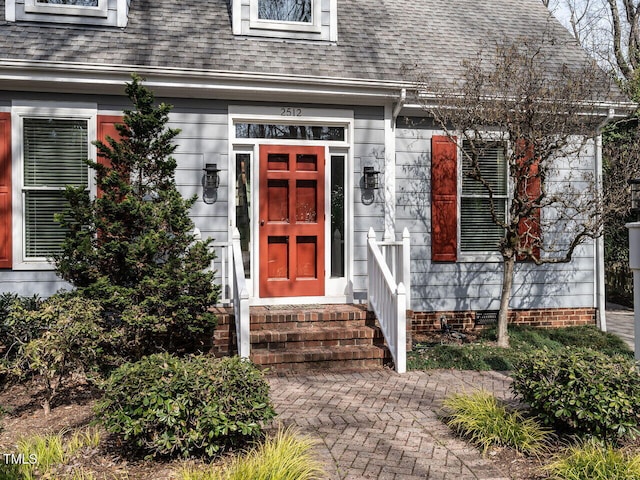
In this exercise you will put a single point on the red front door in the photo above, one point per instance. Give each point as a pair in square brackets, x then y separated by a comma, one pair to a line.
[291, 221]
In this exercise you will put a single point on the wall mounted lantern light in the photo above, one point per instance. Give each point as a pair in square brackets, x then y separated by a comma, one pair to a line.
[371, 178]
[210, 182]
[211, 176]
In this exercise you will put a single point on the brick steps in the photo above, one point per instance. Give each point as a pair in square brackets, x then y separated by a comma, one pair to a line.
[318, 337]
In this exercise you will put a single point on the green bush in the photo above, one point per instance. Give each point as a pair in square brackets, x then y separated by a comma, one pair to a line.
[594, 461]
[15, 329]
[63, 336]
[481, 418]
[198, 405]
[581, 391]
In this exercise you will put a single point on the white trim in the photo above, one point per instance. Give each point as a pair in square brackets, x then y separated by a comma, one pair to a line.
[333, 26]
[325, 300]
[336, 290]
[20, 110]
[10, 10]
[389, 174]
[32, 6]
[196, 83]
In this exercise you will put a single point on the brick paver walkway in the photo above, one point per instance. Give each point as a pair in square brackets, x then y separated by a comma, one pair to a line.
[381, 425]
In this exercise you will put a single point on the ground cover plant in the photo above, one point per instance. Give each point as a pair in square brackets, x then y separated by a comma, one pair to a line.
[478, 350]
[486, 422]
[283, 456]
[593, 460]
[168, 406]
[45, 456]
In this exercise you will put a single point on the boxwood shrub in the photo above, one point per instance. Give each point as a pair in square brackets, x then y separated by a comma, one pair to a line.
[581, 391]
[192, 406]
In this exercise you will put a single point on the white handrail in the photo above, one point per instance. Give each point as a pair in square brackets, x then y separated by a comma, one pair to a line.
[388, 299]
[240, 297]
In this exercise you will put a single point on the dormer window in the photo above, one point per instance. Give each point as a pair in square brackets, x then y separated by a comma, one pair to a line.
[296, 19]
[92, 8]
[285, 10]
[103, 13]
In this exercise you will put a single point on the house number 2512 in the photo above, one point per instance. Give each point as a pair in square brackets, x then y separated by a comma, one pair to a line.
[290, 112]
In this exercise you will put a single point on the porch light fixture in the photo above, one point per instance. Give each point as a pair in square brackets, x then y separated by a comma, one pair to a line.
[371, 178]
[210, 183]
[211, 176]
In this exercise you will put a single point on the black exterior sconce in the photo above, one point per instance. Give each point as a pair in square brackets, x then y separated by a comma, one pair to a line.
[634, 183]
[371, 181]
[211, 176]
[210, 182]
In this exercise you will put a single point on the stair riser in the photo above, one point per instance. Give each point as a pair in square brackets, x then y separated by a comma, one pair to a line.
[336, 339]
[326, 366]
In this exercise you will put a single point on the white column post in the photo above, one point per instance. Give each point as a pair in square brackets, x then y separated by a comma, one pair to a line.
[371, 236]
[634, 265]
[389, 174]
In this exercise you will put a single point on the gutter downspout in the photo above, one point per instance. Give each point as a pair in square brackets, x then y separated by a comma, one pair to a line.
[398, 106]
[600, 299]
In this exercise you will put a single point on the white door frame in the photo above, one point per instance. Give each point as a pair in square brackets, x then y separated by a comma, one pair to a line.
[337, 290]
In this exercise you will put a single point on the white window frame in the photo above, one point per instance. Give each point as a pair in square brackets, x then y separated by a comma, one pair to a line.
[66, 111]
[488, 255]
[336, 289]
[32, 6]
[315, 26]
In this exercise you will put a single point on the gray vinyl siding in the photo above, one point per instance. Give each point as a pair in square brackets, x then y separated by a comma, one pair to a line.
[203, 139]
[464, 285]
[368, 151]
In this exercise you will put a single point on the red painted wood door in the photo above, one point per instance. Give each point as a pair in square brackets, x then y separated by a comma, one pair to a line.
[291, 221]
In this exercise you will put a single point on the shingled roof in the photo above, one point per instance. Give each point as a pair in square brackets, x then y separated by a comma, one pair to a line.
[378, 40]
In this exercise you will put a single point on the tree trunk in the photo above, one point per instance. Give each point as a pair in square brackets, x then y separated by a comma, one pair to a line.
[46, 406]
[505, 296]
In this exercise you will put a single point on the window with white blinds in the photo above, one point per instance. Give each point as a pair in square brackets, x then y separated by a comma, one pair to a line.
[478, 232]
[55, 151]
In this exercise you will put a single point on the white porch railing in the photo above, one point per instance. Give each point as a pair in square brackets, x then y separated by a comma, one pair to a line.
[233, 287]
[388, 293]
[240, 297]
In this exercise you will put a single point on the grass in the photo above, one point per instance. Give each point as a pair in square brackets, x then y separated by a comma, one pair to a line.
[592, 461]
[42, 453]
[484, 355]
[487, 423]
[285, 456]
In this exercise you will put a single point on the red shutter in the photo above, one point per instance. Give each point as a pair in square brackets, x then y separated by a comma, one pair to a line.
[529, 187]
[5, 190]
[444, 199]
[107, 127]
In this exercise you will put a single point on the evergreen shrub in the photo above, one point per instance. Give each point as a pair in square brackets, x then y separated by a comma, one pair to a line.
[170, 406]
[133, 247]
[581, 391]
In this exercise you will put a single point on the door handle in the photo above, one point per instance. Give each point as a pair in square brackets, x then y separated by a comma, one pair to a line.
[262, 223]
